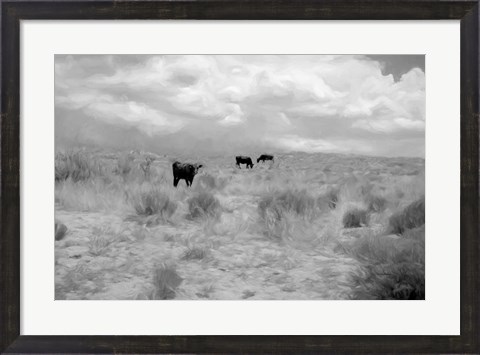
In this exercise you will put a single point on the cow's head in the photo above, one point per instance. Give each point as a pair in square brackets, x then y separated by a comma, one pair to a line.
[197, 167]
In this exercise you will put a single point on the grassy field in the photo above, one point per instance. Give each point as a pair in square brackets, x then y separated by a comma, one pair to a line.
[309, 226]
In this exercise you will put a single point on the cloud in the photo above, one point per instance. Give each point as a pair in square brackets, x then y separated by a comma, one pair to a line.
[308, 103]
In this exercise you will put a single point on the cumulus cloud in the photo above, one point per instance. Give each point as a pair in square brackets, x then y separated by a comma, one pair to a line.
[309, 103]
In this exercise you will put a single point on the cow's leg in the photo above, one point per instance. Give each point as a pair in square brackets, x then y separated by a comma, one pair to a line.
[175, 181]
[238, 166]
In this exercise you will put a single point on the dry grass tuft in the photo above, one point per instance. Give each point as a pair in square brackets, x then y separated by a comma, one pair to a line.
[125, 164]
[393, 268]
[410, 217]
[75, 165]
[286, 214]
[329, 199]
[391, 282]
[100, 240]
[60, 230]
[149, 200]
[375, 203]
[165, 282]
[277, 203]
[194, 253]
[355, 218]
[203, 204]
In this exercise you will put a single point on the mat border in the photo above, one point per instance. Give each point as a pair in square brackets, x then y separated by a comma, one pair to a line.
[12, 12]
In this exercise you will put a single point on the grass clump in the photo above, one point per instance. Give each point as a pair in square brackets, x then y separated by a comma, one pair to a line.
[391, 282]
[392, 268]
[354, 218]
[194, 253]
[149, 200]
[286, 214]
[165, 282]
[203, 204]
[101, 240]
[329, 199]
[98, 244]
[280, 202]
[375, 203]
[75, 165]
[124, 165]
[60, 230]
[412, 216]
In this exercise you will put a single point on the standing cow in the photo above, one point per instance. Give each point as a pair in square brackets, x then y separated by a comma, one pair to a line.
[184, 171]
[265, 157]
[242, 159]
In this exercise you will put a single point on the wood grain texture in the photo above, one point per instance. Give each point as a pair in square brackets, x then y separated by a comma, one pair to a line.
[10, 184]
[14, 11]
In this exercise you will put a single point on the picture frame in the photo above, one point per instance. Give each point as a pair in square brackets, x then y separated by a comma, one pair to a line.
[13, 12]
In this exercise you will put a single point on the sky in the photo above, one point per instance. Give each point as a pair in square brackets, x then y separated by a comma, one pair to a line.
[242, 104]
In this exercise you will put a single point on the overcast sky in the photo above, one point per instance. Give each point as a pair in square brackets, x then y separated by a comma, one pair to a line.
[234, 104]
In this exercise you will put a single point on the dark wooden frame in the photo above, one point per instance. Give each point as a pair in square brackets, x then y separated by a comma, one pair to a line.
[13, 12]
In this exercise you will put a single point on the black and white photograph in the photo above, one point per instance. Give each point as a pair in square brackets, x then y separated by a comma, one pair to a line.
[239, 177]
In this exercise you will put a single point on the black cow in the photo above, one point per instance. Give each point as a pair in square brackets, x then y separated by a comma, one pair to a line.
[242, 159]
[184, 171]
[264, 157]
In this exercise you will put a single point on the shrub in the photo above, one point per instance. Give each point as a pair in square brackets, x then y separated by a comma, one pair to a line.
[60, 230]
[277, 203]
[285, 214]
[391, 282]
[165, 282]
[150, 200]
[393, 268]
[329, 199]
[410, 217]
[194, 253]
[375, 203]
[145, 166]
[378, 249]
[203, 204]
[124, 164]
[76, 165]
[355, 218]
[98, 244]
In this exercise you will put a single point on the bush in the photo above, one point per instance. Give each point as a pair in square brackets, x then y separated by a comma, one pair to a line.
[393, 268]
[329, 199]
[60, 230]
[194, 253]
[277, 203]
[124, 164]
[412, 216]
[391, 282]
[355, 218]
[151, 200]
[165, 282]
[76, 165]
[378, 249]
[287, 214]
[203, 204]
[375, 203]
